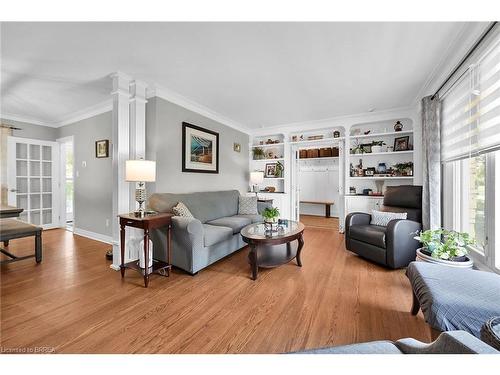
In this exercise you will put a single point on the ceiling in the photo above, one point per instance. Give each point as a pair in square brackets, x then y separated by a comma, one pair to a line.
[257, 74]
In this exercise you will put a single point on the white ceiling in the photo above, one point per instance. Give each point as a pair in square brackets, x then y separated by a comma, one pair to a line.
[257, 74]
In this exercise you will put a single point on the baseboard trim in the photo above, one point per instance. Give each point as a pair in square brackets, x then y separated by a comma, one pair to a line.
[93, 235]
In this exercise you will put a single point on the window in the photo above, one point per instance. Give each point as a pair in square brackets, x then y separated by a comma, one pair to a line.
[470, 144]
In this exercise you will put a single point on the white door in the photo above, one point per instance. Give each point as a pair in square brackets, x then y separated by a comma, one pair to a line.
[33, 180]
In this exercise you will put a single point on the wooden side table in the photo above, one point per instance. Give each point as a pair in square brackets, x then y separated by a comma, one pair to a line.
[146, 223]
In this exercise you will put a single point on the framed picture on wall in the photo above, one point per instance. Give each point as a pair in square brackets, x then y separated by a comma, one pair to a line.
[401, 143]
[200, 149]
[102, 148]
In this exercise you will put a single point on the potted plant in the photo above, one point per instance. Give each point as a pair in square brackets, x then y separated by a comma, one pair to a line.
[403, 169]
[445, 247]
[271, 214]
[258, 153]
[377, 146]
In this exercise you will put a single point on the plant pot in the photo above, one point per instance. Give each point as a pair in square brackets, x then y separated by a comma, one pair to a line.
[377, 149]
[423, 255]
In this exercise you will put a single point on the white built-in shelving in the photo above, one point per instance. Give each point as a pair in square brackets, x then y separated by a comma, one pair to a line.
[382, 153]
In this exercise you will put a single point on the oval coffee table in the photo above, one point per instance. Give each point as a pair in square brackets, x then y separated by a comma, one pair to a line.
[272, 249]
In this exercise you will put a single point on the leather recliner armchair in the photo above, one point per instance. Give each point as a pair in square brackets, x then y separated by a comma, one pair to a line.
[392, 246]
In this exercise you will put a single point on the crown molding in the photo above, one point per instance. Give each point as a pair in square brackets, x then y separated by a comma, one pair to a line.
[344, 120]
[86, 113]
[28, 120]
[457, 49]
[184, 102]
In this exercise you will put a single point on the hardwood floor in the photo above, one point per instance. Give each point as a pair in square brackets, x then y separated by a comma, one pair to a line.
[320, 221]
[75, 303]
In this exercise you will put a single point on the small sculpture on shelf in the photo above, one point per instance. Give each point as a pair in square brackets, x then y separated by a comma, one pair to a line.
[258, 153]
[398, 126]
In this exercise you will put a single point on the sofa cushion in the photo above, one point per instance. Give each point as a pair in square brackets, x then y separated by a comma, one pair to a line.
[247, 205]
[253, 218]
[236, 223]
[204, 206]
[372, 234]
[382, 218]
[182, 210]
[214, 234]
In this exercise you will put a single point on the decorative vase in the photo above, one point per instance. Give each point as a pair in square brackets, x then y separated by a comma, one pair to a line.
[141, 254]
[424, 255]
[398, 126]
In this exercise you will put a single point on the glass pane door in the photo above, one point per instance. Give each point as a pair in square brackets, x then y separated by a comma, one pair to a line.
[32, 181]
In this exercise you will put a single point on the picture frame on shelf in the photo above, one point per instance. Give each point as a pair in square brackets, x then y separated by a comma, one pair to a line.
[401, 143]
[370, 171]
[270, 171]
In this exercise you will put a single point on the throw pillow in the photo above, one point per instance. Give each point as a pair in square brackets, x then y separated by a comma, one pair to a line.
[382, 218]
[247, 205]
[181, 210]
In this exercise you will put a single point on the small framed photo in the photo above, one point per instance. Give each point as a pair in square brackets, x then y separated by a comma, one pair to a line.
[370, 171]
[237, 147]
[401, 143]
[102, 148]
[270, 171]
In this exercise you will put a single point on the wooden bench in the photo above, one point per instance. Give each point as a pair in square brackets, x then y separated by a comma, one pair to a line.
[11, 229]
[326, 203]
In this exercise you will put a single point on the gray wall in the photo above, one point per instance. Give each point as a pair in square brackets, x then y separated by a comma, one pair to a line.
[164, 144]
[93, 201]
[32, 131]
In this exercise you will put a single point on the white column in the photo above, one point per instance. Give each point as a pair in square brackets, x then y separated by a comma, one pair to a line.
[137, 144]
[120, 147]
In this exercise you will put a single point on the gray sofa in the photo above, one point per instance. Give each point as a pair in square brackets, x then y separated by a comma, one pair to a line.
[455, 342]
[212, 235]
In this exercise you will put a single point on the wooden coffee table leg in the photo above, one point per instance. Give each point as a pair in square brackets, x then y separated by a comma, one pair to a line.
[301, 245]
[252, 256]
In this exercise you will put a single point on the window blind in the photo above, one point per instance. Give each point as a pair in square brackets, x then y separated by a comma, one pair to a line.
[470, 114]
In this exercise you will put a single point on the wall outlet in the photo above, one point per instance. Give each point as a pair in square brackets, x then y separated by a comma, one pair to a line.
[107, 222]
[84, 164]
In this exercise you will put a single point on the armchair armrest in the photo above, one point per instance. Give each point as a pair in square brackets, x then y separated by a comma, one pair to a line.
[400, 245]
[354, 218]
[452, 342]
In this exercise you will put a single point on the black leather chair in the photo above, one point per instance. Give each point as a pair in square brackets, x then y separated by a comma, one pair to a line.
[392, 246]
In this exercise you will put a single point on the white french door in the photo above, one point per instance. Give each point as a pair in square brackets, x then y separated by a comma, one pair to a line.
[33, 180]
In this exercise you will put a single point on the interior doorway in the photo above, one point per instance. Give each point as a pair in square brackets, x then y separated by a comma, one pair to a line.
[317, 183]
[67, 178]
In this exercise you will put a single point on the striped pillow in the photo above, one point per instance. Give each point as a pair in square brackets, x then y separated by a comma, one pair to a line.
[182, 210]
[382, 218]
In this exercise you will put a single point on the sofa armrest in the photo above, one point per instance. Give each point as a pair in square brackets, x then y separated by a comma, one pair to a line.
[354, 218]
[452, 342]
[188, 231]
[400, 245]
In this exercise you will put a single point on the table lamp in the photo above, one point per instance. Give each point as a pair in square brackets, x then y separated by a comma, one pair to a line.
[140, 171]
[256, 178]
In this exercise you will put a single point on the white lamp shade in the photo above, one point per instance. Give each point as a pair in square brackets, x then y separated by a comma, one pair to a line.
[256, 177]
[140, 170]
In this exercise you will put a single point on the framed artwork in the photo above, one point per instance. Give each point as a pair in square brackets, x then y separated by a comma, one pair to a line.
[200, 149]
[237, 147]
[370, 171]
[401, 143]
[102, 148]
[270, 171]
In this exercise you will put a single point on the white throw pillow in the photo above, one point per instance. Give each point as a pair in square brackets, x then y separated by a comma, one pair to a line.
[182, 210]
[247, 205]
[382, 218]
